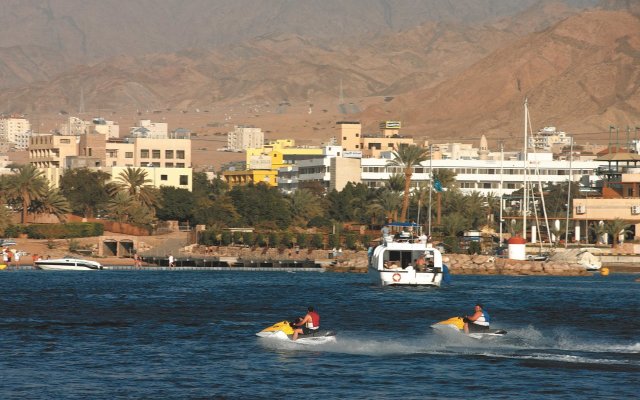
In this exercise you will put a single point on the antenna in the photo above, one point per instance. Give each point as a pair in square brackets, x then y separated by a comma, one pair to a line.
[81, 108]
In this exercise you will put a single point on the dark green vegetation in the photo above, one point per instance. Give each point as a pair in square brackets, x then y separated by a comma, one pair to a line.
[278, 220]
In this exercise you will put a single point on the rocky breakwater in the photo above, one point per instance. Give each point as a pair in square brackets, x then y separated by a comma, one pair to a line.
[463, 264]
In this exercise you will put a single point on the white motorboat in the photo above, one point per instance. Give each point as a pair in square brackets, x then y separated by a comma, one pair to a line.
[394, 262]
[68, 264]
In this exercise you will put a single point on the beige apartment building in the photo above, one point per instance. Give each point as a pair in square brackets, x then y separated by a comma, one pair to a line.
[620, 196]
[372, 145]
[15, 132]
[167, 158]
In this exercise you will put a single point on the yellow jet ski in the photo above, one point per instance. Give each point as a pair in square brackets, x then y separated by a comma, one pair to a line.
[455, 325]
[283, 330]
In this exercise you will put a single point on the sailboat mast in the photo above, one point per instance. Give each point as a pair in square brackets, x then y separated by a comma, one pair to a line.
[569, 207]
[525, 197]
[430, 184]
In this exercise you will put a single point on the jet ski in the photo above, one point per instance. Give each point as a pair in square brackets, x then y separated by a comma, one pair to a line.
[455, 325]
[283, 330]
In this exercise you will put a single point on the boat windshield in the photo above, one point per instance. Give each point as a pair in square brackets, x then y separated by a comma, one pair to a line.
[404, 258]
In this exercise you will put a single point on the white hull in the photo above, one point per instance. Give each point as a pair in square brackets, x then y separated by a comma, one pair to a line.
[451, 330]
[395, 263]
[68, 264]
[302, 340]
[406, 277]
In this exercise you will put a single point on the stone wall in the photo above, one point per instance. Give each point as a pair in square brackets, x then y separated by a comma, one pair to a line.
[356, 261]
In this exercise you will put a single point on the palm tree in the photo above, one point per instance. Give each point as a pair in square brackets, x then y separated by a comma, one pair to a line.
[396, 182]
[599, 230]
[304, 206]
[454, 223]
[407, 157]
[387, 202]
[616, 228]
[27, 184]
[134, 181]
[52, 202]
[119, 206]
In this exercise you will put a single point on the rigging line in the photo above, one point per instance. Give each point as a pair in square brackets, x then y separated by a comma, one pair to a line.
[544, 207]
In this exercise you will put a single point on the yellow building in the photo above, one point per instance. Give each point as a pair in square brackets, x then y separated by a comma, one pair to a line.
[263, 163]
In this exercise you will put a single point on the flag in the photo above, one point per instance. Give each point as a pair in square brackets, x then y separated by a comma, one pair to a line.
[437, 185]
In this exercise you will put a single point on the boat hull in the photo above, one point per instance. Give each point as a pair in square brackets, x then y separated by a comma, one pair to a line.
[68, 264]
[406, 277]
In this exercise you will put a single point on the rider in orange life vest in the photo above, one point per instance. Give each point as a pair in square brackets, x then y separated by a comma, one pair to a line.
[477, 322]
[310, 323]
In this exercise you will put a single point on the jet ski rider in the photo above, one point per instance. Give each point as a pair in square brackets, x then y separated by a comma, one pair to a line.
[478, 322]
[309, 324]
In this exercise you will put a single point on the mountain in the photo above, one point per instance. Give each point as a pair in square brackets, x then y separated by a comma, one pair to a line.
[445, 73]
[582, 75]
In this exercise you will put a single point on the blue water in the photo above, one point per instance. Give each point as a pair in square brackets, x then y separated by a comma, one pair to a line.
[191, 335]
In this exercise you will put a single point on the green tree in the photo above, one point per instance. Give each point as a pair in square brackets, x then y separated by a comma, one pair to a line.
[616, 228]
[598, 230]
[387, 203]
[135, 182]
[396, 182]
[26, 184]
[454, 224]
[317, 241]
[219, 212]
[119, 206]
[176, 204]
[52, 202]
[85, 189]
[407, 157]
[304, 205]
[261, 206]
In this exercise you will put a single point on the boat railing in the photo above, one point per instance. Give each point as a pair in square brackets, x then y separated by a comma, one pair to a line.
[405, 239]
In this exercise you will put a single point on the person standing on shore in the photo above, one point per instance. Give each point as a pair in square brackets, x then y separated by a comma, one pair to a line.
[171, 262]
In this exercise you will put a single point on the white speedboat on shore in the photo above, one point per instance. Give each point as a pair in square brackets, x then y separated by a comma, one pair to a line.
[394, 262]
[68, 264]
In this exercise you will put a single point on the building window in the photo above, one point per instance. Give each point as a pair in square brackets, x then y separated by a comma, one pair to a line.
[180, 154]
[155, 153]
[179, 165]
[65, 141]
[184, 179]
[144, 153]
[163, 177]
[128, 154]
[168, 165]
[168, 154]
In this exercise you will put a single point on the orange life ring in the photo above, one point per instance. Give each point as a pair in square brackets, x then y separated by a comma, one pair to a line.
[396, 277]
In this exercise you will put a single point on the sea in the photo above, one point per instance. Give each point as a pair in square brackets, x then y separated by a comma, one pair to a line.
[191, 335]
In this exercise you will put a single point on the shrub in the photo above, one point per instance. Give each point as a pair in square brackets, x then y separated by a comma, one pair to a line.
[63, 231]
[248, 239]
[237, 237]
[317, 241]
[474, 248]
[260, 240]
[274, 239]
[301, 240]
[334, 240]
[225, 238]
[350, 241]
[286, 239]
